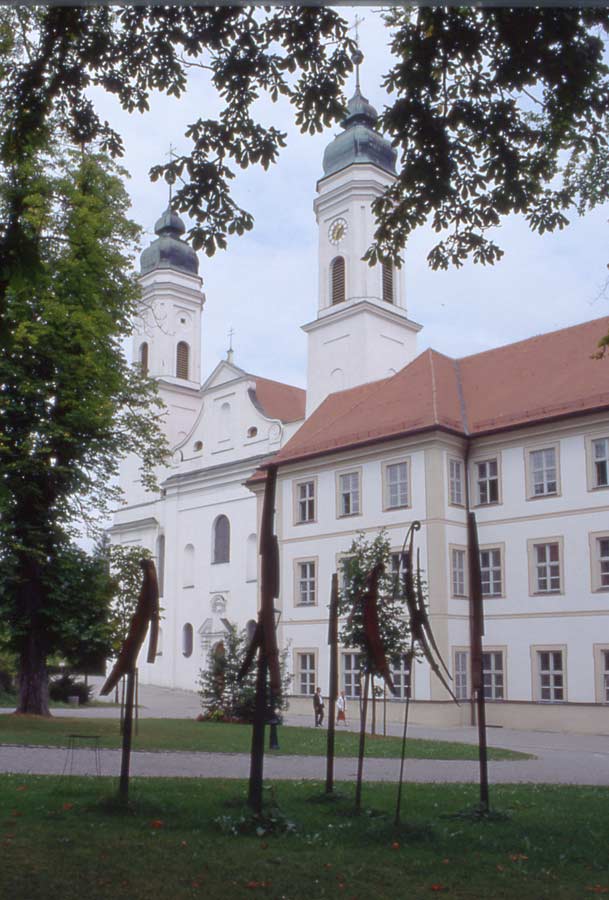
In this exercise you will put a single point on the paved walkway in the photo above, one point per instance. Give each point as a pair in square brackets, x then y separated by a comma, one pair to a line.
[561, 758]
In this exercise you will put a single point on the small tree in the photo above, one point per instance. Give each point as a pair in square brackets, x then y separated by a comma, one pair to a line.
[223, 696]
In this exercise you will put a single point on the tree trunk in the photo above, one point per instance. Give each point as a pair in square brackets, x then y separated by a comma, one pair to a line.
[33, 678]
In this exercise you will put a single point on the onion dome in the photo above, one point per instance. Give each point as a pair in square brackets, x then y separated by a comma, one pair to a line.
[360, 142]
[168, 251]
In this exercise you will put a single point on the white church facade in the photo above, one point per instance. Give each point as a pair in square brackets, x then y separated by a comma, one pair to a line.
[382, 436]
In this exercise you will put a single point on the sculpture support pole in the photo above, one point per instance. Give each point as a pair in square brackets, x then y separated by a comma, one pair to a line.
[333, 642]
[123, 790]
[398, 805]
[257, 754]
[362, 743]
[477, 630]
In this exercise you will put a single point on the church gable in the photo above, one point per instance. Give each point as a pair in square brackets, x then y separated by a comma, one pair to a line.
[223, 373]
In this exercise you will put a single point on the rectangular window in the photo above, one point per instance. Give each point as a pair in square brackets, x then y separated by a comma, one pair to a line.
[305, 498]
[543, 472]
[490, 571]
[600, 462]
[493, 675]
[461, 674]
[306, 583]
[602, 545]
[487, 481]
[547, 568]
[396, 485]
[605, 674]
[349, 494]
[306, 673]
[351, 675]
[455, 478]
[401, 673]
[458, 572]
[397, 572]
[551, 675]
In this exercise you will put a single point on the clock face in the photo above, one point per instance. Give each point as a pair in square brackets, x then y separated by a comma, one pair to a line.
[337, 230]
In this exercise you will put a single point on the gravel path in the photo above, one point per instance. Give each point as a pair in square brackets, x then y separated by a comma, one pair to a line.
[551, 767]
[561, 758]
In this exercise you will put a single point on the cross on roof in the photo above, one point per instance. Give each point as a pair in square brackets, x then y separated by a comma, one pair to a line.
[170, 156]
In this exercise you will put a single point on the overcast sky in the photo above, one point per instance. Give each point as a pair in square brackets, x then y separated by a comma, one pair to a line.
[265, 285]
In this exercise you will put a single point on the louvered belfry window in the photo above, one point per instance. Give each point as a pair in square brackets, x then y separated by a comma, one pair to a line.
[144, 358]
[387, 282]
[182, 354]
[337, 269]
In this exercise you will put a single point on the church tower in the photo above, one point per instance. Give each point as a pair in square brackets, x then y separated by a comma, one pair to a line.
[167, 332]
[362, 331]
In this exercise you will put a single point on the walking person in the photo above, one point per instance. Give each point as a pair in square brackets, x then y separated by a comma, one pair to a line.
[318, 707]
[341, 707]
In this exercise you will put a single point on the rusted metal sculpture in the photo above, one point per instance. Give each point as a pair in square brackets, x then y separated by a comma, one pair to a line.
[146, 615]
[421, 635]
[265, 639]
[477, 631]
[372, 634]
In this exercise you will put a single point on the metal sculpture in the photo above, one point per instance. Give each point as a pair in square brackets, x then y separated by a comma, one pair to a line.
[421, 634]
[146, 615]
[264, 639]
[372, 634]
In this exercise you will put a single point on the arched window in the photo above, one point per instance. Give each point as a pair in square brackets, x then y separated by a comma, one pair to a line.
[337, 279]
[251, 558]
[187, 640]
[224, 424]
[188, 571]
[160, 562]
[144, 358]
[388, 282]
[182, 355]
[221, 540]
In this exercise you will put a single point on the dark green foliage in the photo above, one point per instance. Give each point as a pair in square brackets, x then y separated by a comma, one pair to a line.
[495, 111]
[66, 686]
[223, 697]
[299, 53]
[80, 594]
[70, 405]
[126, 573]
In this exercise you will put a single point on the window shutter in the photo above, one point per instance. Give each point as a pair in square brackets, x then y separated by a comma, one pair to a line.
[144, 358]
[388, 282]
[338, 279]
[182, 354]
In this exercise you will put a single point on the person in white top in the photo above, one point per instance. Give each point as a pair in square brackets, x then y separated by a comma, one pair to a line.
[341, 707]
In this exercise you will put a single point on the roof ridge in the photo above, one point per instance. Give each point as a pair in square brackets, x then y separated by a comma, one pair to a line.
[352, 406]
[274, 381]
[461, 395]
[434, 398]
[533, 337]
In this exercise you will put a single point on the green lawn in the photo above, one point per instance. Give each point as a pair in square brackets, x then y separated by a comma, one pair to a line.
[189, 735]
[61, 838]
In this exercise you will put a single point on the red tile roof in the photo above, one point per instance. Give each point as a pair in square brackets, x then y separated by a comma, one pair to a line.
[544, 377]
[280, 401]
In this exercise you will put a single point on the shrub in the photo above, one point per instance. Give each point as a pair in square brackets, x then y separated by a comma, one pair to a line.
[66, 686]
